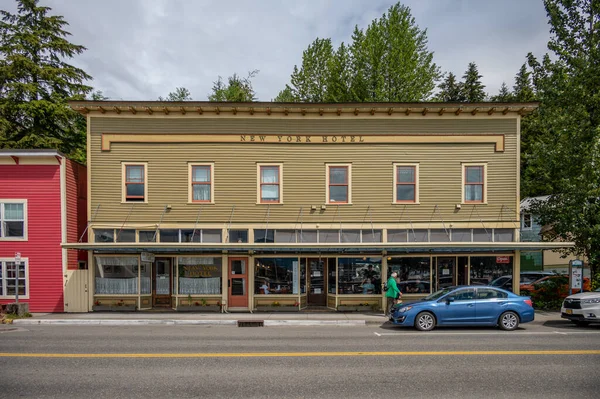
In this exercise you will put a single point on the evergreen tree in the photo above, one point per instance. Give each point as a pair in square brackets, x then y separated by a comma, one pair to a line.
[523, 90]
[36, 82]
[472, 88]
[567, 156]
[237, 89]
[450, 89]
[180, 94]
[504, 95]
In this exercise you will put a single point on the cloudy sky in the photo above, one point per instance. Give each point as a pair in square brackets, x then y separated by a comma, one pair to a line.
[142, 49]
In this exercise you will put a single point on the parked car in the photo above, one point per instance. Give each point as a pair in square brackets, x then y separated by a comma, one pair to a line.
[561, 281]
[505, 282]
[472, 305]
[583, 308]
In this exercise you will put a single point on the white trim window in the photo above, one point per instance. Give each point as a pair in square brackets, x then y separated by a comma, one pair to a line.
[135, 182]
[406, 183]
[474, 183]
[13, 219]
[527, 221]
[8, 278]
[201, 183]
[339, 184]
[269, 183]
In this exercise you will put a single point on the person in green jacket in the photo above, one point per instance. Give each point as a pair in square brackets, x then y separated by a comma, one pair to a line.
[392, 293]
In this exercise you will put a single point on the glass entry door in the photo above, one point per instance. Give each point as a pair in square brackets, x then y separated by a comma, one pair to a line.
[445, 272]
[317, 282]
[237, 282]
[161, 282]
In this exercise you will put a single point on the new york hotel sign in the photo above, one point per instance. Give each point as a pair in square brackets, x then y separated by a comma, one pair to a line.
[109, 138]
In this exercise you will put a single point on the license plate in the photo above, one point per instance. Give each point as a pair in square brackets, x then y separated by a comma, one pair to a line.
[569, 311]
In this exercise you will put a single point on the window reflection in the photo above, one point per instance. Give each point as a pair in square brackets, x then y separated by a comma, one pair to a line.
[359, 276]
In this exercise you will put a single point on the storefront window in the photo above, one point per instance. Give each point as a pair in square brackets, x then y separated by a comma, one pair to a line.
[359, 276]
[145, 270]
[125, 235]
[147, 236]
[262, 235]
[371, 236]
[116, 275]
[492, 270]
[104, 235]
[276, 276]
[199, 275]
[413, 274]
[169, 235]
[239, 236]
[303, 275]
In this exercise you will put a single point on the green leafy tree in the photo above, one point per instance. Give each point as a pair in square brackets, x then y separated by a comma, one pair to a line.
[567, 156]
[504, 95]
[36, 82]
[180, 94]
[471, 87]
[339, 80]
[237, 89]
[389, 61]
[450, 89]
[285, 96]
[309, 82]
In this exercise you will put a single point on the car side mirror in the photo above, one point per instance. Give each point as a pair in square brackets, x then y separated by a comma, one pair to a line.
[450, 299]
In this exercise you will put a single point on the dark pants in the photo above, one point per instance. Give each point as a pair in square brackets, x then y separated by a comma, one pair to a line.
[390, 303]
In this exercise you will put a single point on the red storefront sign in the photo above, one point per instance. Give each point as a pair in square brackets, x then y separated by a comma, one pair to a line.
[502, 259]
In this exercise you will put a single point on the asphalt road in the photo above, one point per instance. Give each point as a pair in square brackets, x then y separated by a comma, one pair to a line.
[555, 360]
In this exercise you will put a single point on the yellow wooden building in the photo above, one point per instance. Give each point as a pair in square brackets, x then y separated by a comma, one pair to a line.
[258, 206]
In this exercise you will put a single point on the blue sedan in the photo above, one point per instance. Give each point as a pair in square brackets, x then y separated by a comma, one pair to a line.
[466, 305]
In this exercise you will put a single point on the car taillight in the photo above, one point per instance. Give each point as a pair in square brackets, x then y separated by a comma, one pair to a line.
[528, 301]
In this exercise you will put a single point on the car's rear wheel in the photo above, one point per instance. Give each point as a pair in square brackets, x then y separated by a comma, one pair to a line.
[425, 321]
[580, 323]
[509, 321]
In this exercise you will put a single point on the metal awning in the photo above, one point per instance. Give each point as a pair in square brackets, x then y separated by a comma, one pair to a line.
[357, 248]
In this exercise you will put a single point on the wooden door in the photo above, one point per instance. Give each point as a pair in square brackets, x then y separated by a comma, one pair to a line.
[162, 282]
[237, 282]
[317, 281]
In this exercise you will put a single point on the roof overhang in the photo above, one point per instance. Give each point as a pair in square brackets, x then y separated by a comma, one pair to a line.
[30, 156]
[388, 248]
[146, 108]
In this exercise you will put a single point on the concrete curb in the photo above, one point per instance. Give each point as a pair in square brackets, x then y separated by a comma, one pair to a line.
[296, 323]
[108, 322]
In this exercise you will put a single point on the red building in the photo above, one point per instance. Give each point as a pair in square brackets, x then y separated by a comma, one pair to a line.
[42, 204]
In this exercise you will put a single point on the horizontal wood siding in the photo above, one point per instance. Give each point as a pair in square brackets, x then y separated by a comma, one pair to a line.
[303, 170]
[76, 182]
[40, 185]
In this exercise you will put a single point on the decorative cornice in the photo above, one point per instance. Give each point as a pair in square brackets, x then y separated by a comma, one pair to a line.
[361, 110]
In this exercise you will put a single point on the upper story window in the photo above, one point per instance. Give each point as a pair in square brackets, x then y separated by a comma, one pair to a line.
[135, 178]
[270, 183]
[12, 219]
[339, 189]
[527, 224]
[201, 183]
[406, 177]
[474, 183]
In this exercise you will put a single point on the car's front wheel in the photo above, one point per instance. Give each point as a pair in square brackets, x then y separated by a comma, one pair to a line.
[509, 321]
[425, 321]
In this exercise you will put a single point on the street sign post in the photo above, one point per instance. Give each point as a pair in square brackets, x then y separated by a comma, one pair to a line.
[575, 276]
[17, 264]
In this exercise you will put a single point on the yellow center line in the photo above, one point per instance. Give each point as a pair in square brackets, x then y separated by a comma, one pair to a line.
[298, 354]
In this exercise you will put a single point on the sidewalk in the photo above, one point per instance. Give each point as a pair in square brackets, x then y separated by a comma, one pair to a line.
[232, 319]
